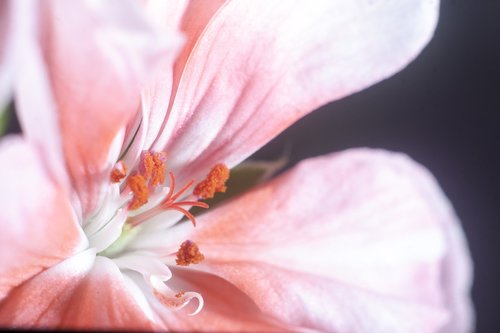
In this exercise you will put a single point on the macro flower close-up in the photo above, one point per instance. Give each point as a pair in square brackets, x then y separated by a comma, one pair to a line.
[134, 115]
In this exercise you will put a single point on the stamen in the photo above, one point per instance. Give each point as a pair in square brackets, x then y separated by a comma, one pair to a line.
[159, 169]
[187, 213]
[189, 253]
[119, 172]
[138, 186]
[146, 165]
[169, 203]
[170, 197]
[152, 167]
[214, 182]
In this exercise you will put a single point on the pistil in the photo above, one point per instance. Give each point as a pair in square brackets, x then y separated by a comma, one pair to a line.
[170, 203]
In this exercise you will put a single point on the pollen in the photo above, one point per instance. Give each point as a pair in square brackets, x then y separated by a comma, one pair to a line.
[159, 170]
[214, 182]
[153, 167]
[138, 186]
[170, 302]
[189, 253]
[119, 172]
[146, 165]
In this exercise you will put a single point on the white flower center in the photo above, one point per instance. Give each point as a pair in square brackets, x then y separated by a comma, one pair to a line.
[136, 208]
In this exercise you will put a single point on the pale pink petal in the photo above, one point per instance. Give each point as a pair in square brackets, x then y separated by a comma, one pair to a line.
[156, 95]
[259, 66]
[35, 105]
[5, 52]
[351, 242]
[457, 266]
[96, 83]
[191, 18]
[15, 19]
[37, 223]
[83, 292]
[11, 23]
[226, 308]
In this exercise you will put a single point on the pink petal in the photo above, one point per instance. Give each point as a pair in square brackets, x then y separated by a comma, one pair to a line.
[35, 107]
[83, 292]
[191, 19]
[15, 18]
[11, 23]
[38, 225]
[226, 308]
[96, 83]
[5, 52]
[259, 66]
[361, 241]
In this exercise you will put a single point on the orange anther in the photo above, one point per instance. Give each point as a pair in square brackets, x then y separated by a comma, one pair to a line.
[152, 167]
[214, 182]
[138, 186]
[146, 165]
[159, 170]
[119, 172]
[189, 253]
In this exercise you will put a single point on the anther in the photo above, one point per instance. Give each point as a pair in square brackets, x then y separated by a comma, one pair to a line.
[138, 186]
[146, 164]
[188, 253]
[214, 182]
[152, 167]
[159, 169]
[119, 172]
[170, 203]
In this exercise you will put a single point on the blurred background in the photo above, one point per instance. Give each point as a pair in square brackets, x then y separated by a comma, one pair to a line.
[444, 111]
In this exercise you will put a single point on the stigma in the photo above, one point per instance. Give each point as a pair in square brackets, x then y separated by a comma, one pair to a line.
[150, 190]
[133, 210]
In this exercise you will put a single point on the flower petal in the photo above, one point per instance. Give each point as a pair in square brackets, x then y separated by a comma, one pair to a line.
[357, 241]
[83, 292]
[259, 66]
[13, 15]
[191, 18]
[226, 308]
[39, 226]
[35, 107]
[96, 84]
[5, 53]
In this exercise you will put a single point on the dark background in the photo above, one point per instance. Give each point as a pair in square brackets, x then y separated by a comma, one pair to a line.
[442, 110]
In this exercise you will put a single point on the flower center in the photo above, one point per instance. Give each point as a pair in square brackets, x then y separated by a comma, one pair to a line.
[146, 194]
[137, 200]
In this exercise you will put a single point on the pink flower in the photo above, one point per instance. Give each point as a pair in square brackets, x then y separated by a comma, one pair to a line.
[359, 241]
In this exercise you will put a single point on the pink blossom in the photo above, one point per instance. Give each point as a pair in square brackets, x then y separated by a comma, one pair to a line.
[92, 236]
